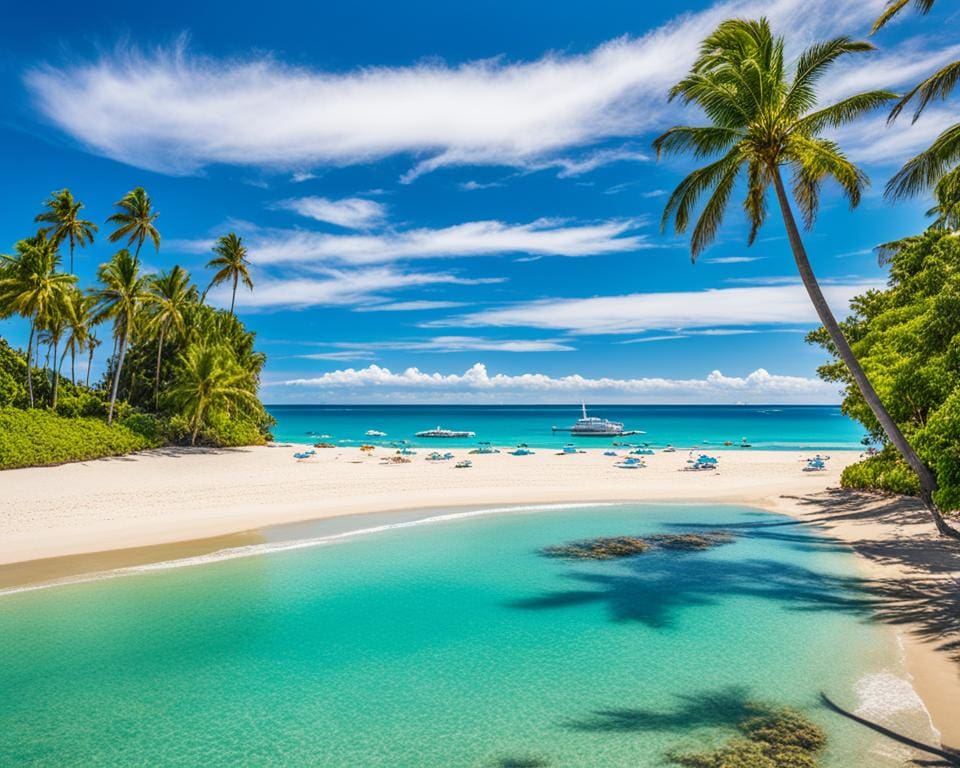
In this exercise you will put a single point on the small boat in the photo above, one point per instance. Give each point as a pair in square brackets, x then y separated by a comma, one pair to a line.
[465, 464]
[744, 443]
[439, 432]
[375, 433]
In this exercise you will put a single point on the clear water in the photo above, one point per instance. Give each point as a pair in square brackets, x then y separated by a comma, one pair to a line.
[774, 427]
[444, 644]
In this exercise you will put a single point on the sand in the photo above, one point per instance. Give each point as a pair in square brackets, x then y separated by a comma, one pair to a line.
[150, 506]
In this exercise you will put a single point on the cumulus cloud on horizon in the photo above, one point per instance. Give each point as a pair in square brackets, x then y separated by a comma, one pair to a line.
[477, 384]
[176, 112]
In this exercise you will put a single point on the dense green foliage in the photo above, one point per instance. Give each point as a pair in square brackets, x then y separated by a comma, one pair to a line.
[180, 371]
[908, 339]
[32, 438]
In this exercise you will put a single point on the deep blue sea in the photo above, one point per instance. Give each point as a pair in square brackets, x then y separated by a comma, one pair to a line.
[770, 427]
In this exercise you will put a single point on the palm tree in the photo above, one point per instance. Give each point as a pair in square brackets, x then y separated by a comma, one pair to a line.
[79, 317]
[947, 197]
[120, 298]
[135, 220]
[925, 170]
[92, 343]
[232, 263]
[762, 119]
[56, 326]
[63, 213]
[208, 377]
[170, 293]
[31, 286]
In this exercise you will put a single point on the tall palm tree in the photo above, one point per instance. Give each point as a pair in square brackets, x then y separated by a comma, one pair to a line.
[231, 264]
[31, 286]
[92, 343]
[924, 171]
[63, 214]
[170, 293]
[120, 299]
[208, 378]
[56, 327]
[135, 220]
[762, 119]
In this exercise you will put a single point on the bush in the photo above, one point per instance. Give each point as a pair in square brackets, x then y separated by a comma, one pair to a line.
[886, 472]
[31, 438]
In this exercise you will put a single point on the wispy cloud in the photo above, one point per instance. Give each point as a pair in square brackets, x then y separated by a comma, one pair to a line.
[876, 141]
[410, 306]
[472, 186]
[336, 288]
[172, 111]
[477, 383]
[445, 344]
[732, 259]
[544, 237]
[350, 212]
[668, 311]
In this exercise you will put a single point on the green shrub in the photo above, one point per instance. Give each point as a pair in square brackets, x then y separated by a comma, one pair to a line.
[31, 438]
[886, 472]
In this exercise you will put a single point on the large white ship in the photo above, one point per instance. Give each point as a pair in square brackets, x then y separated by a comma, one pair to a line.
[594, 426]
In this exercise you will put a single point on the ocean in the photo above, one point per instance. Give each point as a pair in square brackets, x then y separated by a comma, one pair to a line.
[770, 427]
[452, 641]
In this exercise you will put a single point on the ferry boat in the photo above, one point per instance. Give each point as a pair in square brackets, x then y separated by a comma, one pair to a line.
[438, 432]
[375, 433]
[594, 426]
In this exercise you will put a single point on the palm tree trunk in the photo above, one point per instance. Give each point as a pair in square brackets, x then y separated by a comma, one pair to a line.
[928, 484]
[33, 326]
[89, 363]
[56, 376]
[234, 297]
[156, 383]
[116, 376]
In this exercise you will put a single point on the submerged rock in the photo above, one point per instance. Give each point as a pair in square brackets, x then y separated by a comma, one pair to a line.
[613, 547]
[779, 738]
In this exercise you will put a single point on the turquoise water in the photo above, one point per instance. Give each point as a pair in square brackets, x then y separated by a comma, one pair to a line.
[773, 427]
[450, 643]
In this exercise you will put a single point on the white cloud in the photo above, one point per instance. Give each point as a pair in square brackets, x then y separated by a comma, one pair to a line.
[477, 384]
[175, 112]
[472, 186]
[450, 344]
[691, 334]
[410, 306]
[544, 237]
[673, 311]
[299, 177]
[732, 259]
[335, 288]
[350, 212]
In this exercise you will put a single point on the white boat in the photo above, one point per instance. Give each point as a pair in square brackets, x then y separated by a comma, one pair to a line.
[375, 433]
[594, 426]
[439, 432]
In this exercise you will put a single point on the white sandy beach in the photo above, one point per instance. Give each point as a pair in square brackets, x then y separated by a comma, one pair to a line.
[177, 495]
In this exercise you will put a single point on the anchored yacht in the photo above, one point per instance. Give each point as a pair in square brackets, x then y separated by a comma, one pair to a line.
[594, 426]
[438, 432]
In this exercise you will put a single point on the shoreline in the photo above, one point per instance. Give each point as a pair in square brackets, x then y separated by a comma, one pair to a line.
[102, 516]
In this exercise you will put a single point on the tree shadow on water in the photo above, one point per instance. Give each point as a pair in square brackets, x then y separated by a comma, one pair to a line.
[723, 708]
[654, 589]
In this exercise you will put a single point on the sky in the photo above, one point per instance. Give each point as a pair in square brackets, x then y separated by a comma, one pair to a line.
[449, 202]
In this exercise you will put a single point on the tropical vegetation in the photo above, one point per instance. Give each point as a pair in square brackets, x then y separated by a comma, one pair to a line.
[180, 371]
[766, 118]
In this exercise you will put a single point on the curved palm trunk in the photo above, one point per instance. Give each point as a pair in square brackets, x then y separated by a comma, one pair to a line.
[234, 298]
[89, 363]
[928, 483]
[116, 377]
[33, 327]
[56, 375]
[156, 383]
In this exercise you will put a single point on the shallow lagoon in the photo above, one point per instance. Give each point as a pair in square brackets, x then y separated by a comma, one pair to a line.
[452, 643]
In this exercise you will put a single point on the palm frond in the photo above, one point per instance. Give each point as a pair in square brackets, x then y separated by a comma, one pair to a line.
[711, 217]
[813, 160]
[688, 192]
[922, 172]
[698, 141]
[938, 86]
[843, 111]
[811, 66]
[894, 7]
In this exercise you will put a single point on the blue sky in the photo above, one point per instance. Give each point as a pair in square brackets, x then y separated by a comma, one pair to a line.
[449, 201]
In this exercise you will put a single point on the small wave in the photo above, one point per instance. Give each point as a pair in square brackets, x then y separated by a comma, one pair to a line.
[269, 548]
[888, 699]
